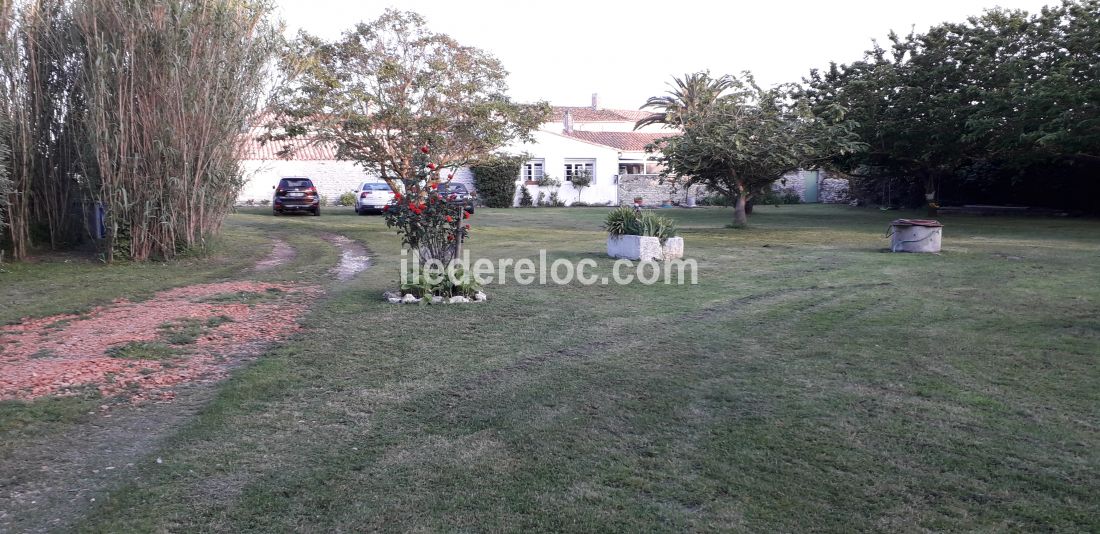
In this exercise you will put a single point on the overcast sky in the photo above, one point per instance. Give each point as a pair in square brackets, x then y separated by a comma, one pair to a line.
[565, 50]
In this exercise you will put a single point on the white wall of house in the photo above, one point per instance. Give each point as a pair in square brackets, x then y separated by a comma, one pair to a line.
[555, 150]
[332, 178]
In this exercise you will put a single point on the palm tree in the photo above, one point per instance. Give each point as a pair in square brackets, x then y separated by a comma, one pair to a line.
[692, 94]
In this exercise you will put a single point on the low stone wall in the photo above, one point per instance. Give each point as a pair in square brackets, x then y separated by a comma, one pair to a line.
[653, 192]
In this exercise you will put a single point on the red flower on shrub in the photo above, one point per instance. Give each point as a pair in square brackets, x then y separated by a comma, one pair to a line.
[465, 214]
[467, 227]
[424, 149]
[397, 196]
[449, 176]
[431, 166]
[435, 186]
[450, 237]
[448, 219]
[451, 196]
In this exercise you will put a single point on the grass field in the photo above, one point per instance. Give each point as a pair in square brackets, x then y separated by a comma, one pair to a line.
[809, 381]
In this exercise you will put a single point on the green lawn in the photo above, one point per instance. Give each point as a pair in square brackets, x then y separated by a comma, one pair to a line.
[810, 381]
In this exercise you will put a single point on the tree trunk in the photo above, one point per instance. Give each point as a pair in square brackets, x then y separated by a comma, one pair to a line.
[739, 215]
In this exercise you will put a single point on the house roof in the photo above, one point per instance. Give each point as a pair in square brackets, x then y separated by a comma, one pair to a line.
[304, 150]
[587, 114]
[631, 141]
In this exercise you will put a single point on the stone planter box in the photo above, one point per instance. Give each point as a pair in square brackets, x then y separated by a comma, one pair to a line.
[636, 247]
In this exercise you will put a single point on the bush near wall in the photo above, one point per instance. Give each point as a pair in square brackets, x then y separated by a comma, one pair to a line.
[495, 180]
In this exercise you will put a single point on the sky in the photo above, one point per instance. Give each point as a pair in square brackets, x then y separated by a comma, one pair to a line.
[563, 51]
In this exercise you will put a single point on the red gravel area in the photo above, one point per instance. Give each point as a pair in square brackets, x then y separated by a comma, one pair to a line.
[67, 354]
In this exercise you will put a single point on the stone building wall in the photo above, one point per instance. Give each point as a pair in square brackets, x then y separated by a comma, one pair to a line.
[834, 191]
[653, 192]
[830, 188]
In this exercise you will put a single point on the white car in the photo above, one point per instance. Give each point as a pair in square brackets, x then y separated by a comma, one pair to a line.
[372, 197]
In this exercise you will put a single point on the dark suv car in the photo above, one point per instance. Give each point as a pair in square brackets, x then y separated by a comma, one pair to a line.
[462, 195]
[296, 194]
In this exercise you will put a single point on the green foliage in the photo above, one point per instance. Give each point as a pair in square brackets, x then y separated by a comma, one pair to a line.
[5, 182]
[540, 201]
[428, 223]
[781, 196]
[421, 89]
[715, 200]
[346, 199]
[626, 221]
[525, 199]
[554, 201]
[549, 181]
[495, 179]
[144, 350]
[691, 95]
[748, 138]
[390, 88]
[999, 108]
[76, 73]
[581, 179]
[437, 282]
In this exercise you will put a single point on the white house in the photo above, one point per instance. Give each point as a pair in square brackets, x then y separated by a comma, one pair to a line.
[601, 142]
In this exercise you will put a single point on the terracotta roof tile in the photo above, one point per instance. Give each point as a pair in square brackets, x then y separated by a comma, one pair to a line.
[252, 149]
[620, 140]
[587, 114]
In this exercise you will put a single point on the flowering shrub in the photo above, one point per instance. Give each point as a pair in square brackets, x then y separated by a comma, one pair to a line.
[427, 222]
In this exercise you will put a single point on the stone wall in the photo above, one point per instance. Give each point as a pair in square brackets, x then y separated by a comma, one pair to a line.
[834, 191]
[653, 192]
[830, 188]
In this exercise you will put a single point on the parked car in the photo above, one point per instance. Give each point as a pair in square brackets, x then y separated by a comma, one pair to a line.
[462, 195]
[372, 197]
[295, 194]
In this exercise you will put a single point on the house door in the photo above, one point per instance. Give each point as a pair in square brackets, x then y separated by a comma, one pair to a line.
[809, 182]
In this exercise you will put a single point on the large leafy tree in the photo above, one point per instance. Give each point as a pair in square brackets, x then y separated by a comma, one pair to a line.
[391, 86]
[999, 107]
[750, 137]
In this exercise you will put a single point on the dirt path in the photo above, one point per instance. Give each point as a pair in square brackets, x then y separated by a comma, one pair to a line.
[281, 254]
[354, 257]
[49, 481]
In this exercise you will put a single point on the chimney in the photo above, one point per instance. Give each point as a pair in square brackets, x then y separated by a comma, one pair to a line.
[595, 101]
[567, 122]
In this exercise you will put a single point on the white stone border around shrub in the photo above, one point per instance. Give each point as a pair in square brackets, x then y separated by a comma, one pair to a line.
[644, 248]
[394, 297]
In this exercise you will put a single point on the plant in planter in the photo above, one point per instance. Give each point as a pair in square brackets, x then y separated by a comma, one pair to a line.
[641, 236]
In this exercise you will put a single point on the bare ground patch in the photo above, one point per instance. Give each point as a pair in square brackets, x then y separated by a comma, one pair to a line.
[139, 356]
[144, 348]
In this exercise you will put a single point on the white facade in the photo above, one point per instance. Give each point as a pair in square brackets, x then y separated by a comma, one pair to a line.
[554, 151]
